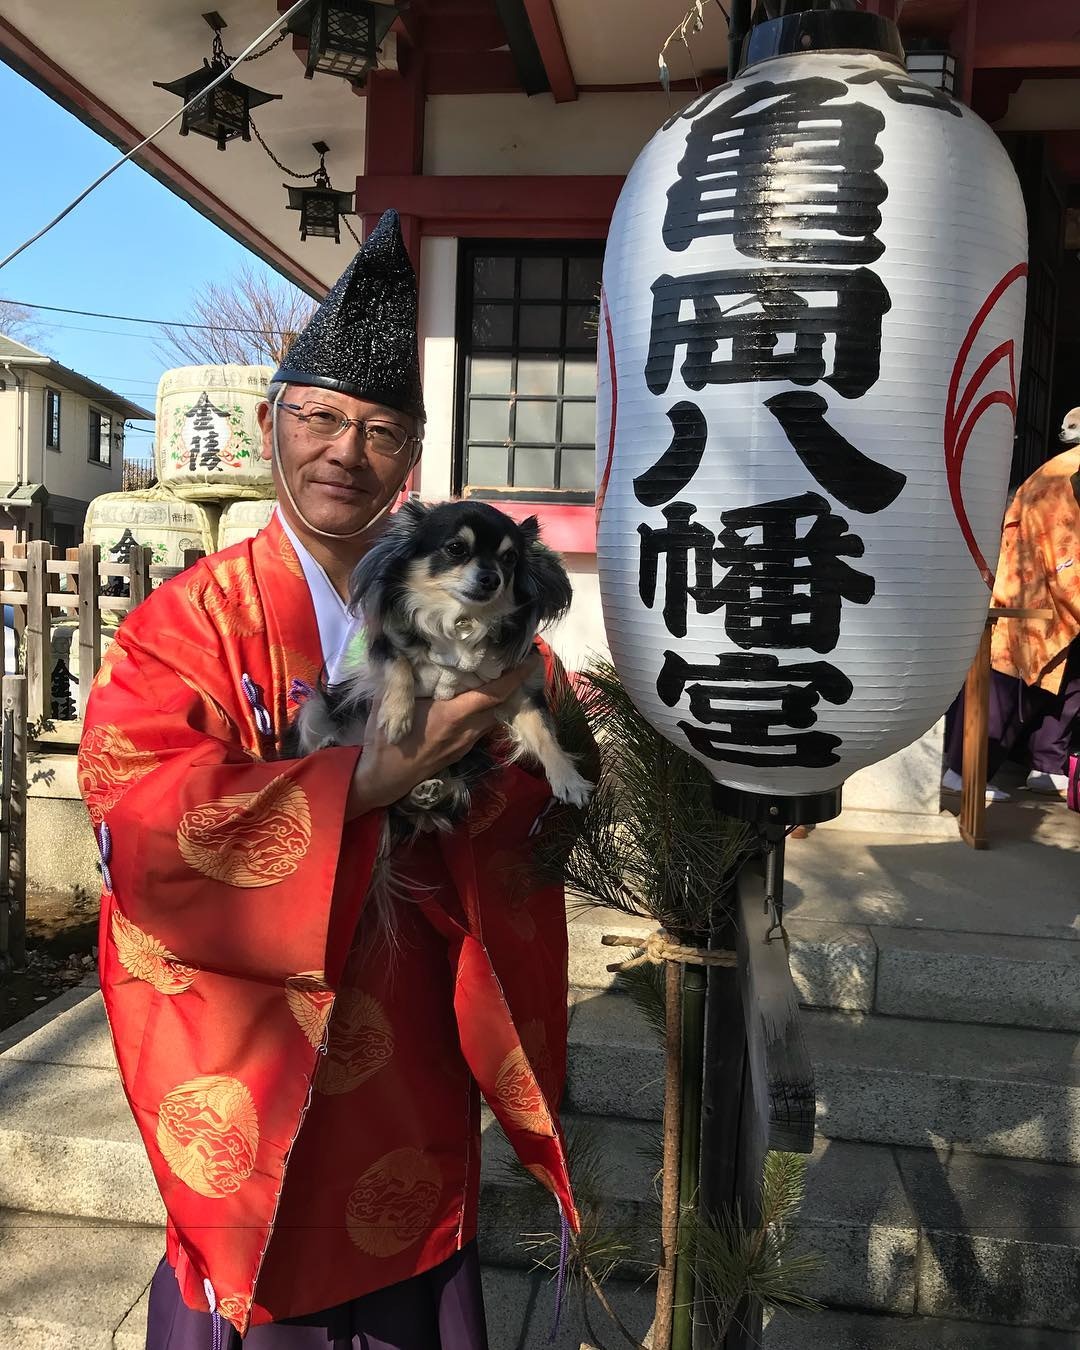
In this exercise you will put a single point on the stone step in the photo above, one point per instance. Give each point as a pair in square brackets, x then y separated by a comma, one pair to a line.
[998, 1091]
[69, 1283]
[991, 978]
[994, 1090]
[69, 1144]
[830, 1330]
[940, 1234]
[898, 1230]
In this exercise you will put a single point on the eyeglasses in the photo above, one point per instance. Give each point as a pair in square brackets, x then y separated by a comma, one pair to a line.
[328, 424]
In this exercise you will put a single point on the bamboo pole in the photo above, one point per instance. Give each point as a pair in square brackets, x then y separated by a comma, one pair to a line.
[693, 1046]
[669, 1202]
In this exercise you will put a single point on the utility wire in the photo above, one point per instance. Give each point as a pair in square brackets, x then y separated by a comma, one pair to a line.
[279, 22]
[133, 318]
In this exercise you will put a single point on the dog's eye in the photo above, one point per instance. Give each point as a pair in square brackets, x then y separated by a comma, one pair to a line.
[509, 558]
[456, 548]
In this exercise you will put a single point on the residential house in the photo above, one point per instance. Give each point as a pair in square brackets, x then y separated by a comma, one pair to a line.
[61, 445]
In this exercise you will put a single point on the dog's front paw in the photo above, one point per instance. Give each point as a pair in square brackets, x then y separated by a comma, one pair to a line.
[395, 719]
[568, 786]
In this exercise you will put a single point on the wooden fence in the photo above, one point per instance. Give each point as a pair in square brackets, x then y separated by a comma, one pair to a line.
[13, 824]
[44, 585]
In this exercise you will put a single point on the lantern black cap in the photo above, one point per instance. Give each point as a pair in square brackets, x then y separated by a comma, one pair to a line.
[362, 338]
[818, 30]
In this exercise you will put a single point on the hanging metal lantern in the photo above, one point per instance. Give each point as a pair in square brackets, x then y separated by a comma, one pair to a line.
[813, 307]
[344, 36]
[321, 206]
[223, 114]
[932, 63]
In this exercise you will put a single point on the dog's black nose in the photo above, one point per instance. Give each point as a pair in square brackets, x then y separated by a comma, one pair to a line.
[488, 581]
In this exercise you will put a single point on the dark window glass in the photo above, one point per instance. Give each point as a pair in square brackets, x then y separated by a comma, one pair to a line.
[527, 332]
[52, 419]
[100, 437]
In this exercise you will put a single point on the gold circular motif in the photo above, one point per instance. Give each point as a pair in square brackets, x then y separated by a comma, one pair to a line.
[235, 1310]
[543, 1176]
[287, 664]
[393, 1202]
[111, 658]
[535, 1044]
[310, 1001]
[519, 1097]
[147, 959]
[233, 603]
[288, 557]
[360, 1042]
[487, 812]
[109, 764]
[208, 1133]
[250, 838]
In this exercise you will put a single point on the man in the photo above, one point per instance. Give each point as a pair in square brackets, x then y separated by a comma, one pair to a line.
[1035, 682]
[310, 1107]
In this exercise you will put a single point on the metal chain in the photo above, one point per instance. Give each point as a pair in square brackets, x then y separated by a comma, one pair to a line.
[283, 167]
[269, 46]
[345, 222]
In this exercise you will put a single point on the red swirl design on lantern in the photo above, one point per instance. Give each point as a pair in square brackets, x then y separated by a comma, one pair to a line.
[961, 419]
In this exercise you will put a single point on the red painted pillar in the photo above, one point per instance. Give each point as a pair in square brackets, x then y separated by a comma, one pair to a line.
[394, 134]
[962, 42]
[394, 142]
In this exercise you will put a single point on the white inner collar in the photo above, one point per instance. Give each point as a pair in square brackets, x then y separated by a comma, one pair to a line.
[331, 612]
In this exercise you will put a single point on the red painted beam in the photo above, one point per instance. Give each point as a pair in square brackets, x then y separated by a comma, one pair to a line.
[70, 94]
[544, 23]
[1027, 53]
[472, 73]
[525, 205]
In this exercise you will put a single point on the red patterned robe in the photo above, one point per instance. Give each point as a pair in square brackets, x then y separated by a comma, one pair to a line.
[310, 1109]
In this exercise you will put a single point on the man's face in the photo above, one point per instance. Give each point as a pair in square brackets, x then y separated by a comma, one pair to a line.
[339, 485]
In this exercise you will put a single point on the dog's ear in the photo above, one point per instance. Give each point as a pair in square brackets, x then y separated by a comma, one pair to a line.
[530, 530]
[542, 582]
[410, 514]
[380, 566]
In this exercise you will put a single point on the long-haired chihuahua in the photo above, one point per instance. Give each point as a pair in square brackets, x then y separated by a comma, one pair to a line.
[449, 598]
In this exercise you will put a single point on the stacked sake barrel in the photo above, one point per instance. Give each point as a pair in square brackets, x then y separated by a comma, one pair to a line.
[214, 488]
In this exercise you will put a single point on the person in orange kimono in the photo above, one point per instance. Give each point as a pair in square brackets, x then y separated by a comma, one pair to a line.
[1035, 680]
[309, 1105]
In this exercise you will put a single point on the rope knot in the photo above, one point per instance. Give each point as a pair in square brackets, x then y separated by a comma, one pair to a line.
[661, 946]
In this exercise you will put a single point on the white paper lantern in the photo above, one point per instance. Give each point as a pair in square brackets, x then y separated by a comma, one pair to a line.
[810, 343]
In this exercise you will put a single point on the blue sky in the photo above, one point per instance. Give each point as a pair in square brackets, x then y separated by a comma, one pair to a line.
[132, 247]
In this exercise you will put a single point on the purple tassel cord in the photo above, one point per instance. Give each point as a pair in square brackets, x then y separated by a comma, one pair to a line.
[105, 848]
[560, 1283]
[300, 691]
[254, 697]
[215, 1335]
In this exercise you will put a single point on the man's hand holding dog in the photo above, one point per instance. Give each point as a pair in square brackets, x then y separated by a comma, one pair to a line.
[442, 732]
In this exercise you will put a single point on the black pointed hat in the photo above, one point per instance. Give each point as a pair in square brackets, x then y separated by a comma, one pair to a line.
[362, 338]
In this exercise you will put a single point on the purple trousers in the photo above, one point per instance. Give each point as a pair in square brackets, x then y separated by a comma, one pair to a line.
[442, 1309]
[1018, 713]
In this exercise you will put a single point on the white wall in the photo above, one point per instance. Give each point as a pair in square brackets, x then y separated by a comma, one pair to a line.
[513, 134]
[67, 472]
[438, 357]
[581, 634]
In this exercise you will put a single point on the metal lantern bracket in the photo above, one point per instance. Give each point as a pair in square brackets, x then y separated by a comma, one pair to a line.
[775, 817]
[223, 114]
